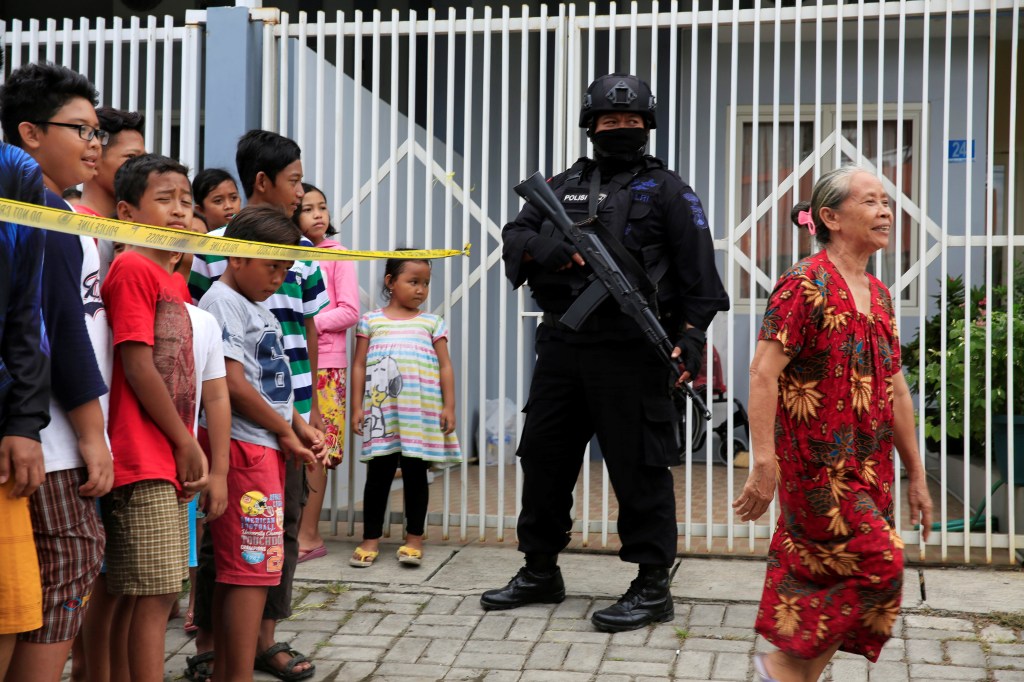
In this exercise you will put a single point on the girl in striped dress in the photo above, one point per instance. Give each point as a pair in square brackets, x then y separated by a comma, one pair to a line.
[406, 414]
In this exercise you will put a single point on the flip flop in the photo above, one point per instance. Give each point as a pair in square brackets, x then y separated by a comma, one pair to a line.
[310, 554]
[410, 555]
[761, 669]
[361, 558]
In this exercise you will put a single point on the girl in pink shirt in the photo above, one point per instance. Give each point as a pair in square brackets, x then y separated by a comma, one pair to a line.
[332, 323]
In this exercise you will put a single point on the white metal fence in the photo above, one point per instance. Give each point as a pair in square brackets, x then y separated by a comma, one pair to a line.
[417, 126]
[134, 65]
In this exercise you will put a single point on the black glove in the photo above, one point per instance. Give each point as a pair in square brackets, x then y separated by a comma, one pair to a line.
[691, 342]
[550, 252]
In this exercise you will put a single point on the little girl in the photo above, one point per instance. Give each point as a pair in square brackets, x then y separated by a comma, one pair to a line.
[407, 414]
[216, 196]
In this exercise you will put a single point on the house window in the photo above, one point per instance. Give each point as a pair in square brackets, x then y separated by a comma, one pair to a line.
[778, 248]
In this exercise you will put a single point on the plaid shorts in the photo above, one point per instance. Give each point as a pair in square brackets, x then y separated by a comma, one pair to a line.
[69, 541]
[147, 539]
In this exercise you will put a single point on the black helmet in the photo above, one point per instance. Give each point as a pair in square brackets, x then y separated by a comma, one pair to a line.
[614, 93]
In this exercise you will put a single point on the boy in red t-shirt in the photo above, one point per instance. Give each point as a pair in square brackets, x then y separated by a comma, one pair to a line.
[158, 464]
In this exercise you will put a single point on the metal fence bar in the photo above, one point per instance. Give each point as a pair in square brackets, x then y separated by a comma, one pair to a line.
[467, 175]
[1011, 263]
[167, 82]
[969, 103]
[989, 258]
[301, 95]
[67, 45]
[897, 223]
[922, 249]
[485, 157]
[503, 183]
[320, 114]
[99, 77]
[944, 291]
[51, 40]
[449, 209]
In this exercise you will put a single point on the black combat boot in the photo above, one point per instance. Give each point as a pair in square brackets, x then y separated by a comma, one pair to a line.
[646, 601]
[538, 582]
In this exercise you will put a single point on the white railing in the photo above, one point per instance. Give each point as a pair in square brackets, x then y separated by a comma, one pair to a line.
[417, 126]
[495, 96]
[152, 68]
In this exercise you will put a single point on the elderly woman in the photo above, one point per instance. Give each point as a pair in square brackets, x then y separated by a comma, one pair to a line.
[827, 403]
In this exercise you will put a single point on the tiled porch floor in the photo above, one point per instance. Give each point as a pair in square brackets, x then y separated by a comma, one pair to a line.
[718, 492]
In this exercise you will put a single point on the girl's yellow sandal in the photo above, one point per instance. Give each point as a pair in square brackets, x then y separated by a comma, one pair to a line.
[361, 558]
[410, 555]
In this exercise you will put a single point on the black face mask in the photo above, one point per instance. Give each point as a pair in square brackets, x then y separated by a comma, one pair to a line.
[620, 142]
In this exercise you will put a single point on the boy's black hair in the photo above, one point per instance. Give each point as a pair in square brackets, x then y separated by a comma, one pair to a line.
[115, 121]
[262, 150]
[307, 188]
[206, 181]
[132, 177]
[196, 213]
[263, 224]
[36, 92]
[71, 193]
[393, 267]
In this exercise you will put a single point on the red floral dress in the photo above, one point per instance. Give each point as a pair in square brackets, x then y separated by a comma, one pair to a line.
[835, 565]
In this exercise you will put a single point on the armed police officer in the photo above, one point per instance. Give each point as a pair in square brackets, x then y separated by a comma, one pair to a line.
[595, 373]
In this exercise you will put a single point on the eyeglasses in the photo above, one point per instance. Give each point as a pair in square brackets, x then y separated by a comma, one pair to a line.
[86, 132]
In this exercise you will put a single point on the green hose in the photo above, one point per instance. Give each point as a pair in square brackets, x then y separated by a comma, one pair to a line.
[977, 523]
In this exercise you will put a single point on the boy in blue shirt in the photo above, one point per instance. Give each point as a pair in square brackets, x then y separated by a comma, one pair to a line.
[48, 111]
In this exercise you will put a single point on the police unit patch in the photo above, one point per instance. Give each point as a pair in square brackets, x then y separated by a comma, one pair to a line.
[696, 210]
[575, 197]
[646, 185]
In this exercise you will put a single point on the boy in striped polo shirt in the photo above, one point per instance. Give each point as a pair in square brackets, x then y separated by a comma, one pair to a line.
[270, 170]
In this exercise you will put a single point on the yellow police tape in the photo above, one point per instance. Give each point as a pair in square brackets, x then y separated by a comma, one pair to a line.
[172, 239]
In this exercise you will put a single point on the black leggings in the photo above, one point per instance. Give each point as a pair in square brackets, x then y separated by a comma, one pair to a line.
[380, 474]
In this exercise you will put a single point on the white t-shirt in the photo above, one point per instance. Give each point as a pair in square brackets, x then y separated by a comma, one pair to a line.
[60, 442]
[207, 349]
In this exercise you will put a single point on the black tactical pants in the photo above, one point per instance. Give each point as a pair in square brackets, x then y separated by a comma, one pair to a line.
[617, 390]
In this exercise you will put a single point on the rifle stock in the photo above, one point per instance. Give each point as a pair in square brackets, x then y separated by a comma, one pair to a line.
[608, 272]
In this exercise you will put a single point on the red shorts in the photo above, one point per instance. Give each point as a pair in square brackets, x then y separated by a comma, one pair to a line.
[248, 540]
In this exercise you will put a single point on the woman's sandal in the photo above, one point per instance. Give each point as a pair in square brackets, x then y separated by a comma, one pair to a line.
[410, 555]
[761, 669]
[200, 667]
[362, 558]
[265, 663]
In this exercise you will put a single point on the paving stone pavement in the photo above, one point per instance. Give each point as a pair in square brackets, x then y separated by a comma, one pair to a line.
[390, 623]
[361, 632]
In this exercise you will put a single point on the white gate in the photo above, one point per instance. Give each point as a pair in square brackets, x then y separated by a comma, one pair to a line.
[417, 126]
[753, 104]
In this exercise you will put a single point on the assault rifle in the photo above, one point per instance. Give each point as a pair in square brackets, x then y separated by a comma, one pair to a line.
[610, 278]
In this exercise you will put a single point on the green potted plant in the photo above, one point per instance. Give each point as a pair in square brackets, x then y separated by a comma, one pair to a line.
[991, 389]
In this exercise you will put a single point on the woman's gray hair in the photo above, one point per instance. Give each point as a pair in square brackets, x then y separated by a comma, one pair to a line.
[831, 189]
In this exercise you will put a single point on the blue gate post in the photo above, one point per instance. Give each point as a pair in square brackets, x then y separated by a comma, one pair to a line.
[233, 78]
